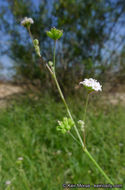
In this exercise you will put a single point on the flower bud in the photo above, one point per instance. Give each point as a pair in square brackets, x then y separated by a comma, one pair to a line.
[36, 42]
[54, 33]
[65, 125]
[36, 46]
[50, 63]
[82, 125]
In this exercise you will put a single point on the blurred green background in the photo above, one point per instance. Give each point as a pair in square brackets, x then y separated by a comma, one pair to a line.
[28, 130]
[93, 45]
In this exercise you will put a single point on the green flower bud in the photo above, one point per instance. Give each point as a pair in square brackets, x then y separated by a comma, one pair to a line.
[36, 42]
[54, 33]
[36, 46]
[65, 125]
[50, 63]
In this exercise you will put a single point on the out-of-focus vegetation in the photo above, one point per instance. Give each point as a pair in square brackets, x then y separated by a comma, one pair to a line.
[50, 158]
[92, 45]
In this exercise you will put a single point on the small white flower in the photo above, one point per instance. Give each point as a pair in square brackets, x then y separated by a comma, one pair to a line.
[60, 122]
[20, 158]
[58, 152]
[120, 144]
[82, 125]
[81, 122]
[27, 21]
[69, 153]
[92, 84]
[8, 182]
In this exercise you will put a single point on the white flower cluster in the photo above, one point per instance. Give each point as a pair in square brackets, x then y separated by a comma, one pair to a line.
[82, 125]
[27, 21]
[20, 158]
[92, 84]
[8, 182]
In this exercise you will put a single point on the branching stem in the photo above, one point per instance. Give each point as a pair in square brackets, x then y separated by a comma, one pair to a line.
[69, 113]
[77, 132]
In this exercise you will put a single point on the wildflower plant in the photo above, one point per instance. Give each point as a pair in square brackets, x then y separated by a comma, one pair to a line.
[19, 161]
[67, 124]
[8, 185]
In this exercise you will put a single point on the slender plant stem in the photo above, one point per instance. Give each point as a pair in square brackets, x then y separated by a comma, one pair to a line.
[54, 55]
[87, 99]
[62, 97]
[69, 113]
[77, 132]
[8, 188]
[85, 150]
[30, 33]
[25, 180]
[99, 168]
[74, 138]
[84, 119]
[58, 87]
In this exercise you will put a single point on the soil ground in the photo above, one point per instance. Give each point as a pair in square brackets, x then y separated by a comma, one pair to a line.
[8, 90]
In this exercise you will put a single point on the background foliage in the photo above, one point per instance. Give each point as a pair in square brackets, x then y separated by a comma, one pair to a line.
[50, 158]
[92, 44]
